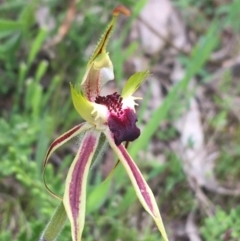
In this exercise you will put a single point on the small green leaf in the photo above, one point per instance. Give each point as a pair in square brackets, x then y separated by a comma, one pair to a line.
[21, 76]
[53, 86]
[27, 16]
[11, 44]
[41, 70]
[8, 25]
[37, 44]
[36, 100]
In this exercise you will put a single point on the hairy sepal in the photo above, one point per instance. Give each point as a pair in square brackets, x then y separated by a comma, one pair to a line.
[143, 191]
[77, 130]
[99, 68]
[102, 44]
[75, 190]
[133, 83]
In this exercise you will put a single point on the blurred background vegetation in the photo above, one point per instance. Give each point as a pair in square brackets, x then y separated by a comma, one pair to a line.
[45, 44]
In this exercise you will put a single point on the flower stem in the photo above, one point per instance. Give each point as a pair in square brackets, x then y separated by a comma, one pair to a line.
[55, 225]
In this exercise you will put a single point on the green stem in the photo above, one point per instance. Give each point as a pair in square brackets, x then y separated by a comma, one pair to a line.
[55, 225]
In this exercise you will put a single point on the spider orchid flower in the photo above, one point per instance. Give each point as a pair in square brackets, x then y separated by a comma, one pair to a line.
[112, 116]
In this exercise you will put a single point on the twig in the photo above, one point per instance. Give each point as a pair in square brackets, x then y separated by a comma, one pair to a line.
[191, 227]
[65, 26]
[167, 41]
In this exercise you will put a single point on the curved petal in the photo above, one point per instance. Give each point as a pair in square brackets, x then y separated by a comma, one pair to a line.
[133, 83]
[144, 193]
[75, 191]
[59, 142]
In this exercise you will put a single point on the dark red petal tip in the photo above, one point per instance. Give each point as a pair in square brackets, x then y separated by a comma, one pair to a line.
[124, 126]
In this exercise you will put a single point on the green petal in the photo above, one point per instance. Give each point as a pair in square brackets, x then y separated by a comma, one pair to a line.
[75, 191]
[82, 105]
[133, 83]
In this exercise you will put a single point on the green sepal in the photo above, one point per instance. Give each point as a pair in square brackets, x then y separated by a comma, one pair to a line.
[101, 46]
[133, 83]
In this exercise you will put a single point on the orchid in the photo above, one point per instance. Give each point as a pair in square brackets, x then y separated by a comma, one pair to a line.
[112, 117]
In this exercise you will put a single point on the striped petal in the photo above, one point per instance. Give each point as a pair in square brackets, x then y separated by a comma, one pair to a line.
[144, 193]
[59, 142]
[75, 191]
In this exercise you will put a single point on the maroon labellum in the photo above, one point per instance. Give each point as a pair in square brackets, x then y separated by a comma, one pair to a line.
[121, 122]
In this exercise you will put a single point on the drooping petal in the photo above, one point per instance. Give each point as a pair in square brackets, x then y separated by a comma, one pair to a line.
[59, 142]
[75, 191]
[144, 193]
[133, 83]
[99, 68]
